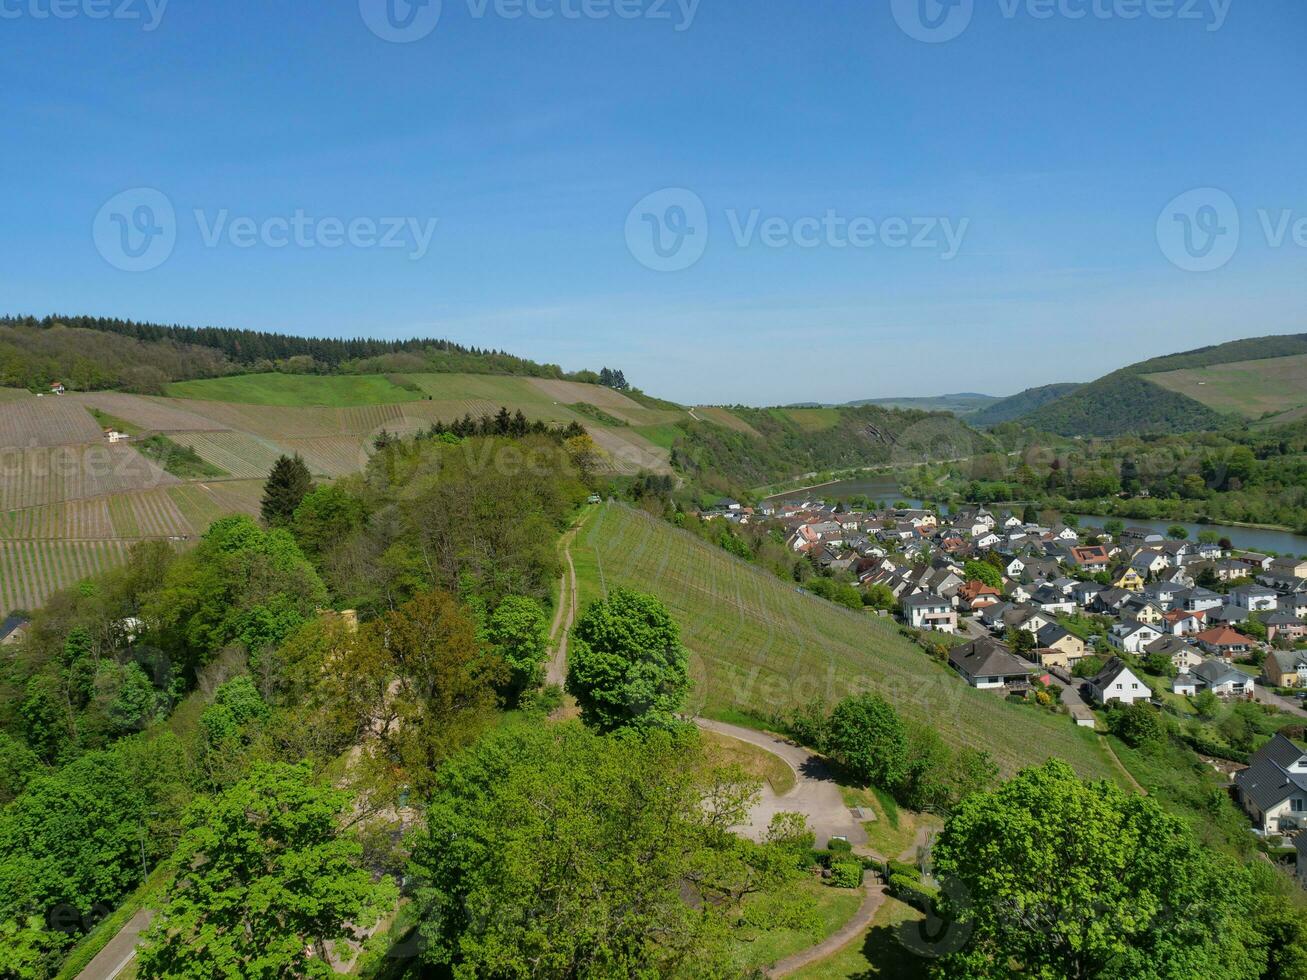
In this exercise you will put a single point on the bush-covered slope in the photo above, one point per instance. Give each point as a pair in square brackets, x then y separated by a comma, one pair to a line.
[791, 442]
[105, 352]
[1015, 406]
[1120, 404]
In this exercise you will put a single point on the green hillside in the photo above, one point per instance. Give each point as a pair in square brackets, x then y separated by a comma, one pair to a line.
[1132, 401]
[772, 444]
[760, 646]
[1254, 389]
[1015, 406]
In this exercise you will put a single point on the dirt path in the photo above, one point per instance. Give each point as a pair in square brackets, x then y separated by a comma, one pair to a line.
[1116, 760]
[851, 930]
[564, 617]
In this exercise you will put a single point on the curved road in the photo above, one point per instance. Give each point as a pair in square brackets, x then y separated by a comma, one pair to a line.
[815, 794]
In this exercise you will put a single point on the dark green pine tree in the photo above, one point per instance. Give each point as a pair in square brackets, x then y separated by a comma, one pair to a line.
[288, 484]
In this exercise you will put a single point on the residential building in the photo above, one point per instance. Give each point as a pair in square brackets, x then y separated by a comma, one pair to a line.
[12, 630]
[925, 611]
[1221, 641]
[987, 663]
[1132, 636]
[1286, 668]
[1273, 789]
[1116, 682]
[1223, 680]
[1284, 626]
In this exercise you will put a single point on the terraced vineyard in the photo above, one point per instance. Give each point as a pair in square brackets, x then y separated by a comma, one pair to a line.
[237, 453]
[52, 421]
[30, 571]
[36, 477]
[62, 484]
[759, 645]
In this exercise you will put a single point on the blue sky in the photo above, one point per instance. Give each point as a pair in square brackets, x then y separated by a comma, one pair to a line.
[1050, 145]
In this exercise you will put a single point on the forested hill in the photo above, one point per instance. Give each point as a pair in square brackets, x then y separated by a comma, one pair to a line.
[1131, 400]
[1022, 403]
[102, 352]
[761, 446]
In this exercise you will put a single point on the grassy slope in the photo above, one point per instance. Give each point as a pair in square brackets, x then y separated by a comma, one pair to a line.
[1248, 388]
[295, 389]
[760, 647]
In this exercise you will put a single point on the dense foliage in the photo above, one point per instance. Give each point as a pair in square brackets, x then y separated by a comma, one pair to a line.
[729, 460]
[563, 853]
[265, 880]
[1053, 877]
[627, 668]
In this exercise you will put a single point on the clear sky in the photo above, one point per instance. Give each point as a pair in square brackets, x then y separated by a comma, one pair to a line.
[880, 214]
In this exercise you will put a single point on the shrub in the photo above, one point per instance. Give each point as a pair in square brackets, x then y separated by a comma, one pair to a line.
[845, 874]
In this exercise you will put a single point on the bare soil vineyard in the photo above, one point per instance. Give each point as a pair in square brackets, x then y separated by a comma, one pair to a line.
[31, 571]
[49, 421]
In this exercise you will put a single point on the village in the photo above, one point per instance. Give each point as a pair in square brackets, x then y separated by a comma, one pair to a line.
[1091, 619]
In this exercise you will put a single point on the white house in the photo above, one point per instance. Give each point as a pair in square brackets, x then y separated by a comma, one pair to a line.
[1116, 682]
[925, 611]
[1273, 789]
[1132, 636]
[1223, 680]
[1254, 598]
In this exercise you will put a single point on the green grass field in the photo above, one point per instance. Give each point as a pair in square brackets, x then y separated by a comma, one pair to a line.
[1247, 388]
[295, 389]
[760, 647]
[812, 419]
[880, 952]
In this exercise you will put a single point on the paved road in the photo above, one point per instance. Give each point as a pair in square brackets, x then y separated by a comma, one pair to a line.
[853, 929]
[1285, 704]
[119, 951]
[815, 794]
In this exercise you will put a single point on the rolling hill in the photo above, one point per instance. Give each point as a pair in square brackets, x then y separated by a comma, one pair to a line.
[761, 647]
[1022, 403]
[960, 403]
[1163, 394]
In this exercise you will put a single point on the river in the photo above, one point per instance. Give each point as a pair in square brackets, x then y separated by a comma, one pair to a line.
[884, 489]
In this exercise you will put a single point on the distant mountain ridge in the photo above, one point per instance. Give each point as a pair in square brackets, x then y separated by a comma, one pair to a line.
[959, 403]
